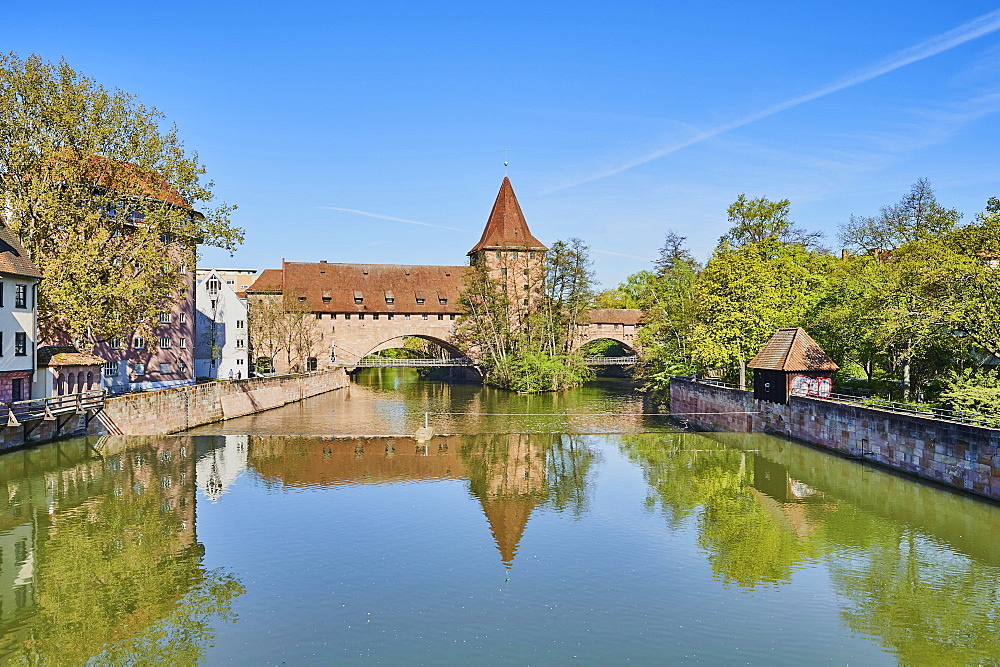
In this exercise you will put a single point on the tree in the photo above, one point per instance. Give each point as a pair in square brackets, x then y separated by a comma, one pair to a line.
[917, 217]
[105, 198]
[568, 282]
[760, 219]
[264, 317]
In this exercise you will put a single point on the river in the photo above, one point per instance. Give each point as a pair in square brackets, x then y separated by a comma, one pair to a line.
[571, 528]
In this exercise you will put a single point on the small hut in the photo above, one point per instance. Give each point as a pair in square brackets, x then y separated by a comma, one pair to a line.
[65, 370]
[791, 364]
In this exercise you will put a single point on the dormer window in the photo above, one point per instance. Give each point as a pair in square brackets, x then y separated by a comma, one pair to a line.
[390, 297]
[359, 298]
[327, 297]
[213, 285]
[420, 299]
[442, 301]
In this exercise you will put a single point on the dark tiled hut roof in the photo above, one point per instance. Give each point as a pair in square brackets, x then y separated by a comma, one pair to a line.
[626, 316]
[792, 350]
[13, 258]
[381, 288]
[506, 228]
[54, 355]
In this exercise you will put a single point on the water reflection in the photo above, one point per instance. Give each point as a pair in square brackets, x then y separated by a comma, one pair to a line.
[100, 553]
[913, 566]
[392, 402]
[511, 475]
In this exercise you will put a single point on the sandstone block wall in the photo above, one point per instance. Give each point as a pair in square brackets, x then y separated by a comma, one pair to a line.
[179, 408]
[961, 456]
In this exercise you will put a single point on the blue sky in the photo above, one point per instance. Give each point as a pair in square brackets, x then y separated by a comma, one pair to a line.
[623, 120]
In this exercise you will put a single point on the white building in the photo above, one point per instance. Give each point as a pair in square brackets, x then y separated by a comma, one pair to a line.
[220, 329]
[19, 280]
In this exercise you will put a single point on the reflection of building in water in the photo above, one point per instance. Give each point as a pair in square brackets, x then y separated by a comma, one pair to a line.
[510, 475]
[219, 466]
[99, 528]
[791, 503]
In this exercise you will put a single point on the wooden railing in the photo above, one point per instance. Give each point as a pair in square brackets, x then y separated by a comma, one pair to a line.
[49, 408]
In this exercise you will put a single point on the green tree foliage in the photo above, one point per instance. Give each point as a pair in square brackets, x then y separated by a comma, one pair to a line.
[105, 198]
[972, 391]
[528, 349]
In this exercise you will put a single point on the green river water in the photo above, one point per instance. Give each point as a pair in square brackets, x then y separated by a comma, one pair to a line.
[552, 529]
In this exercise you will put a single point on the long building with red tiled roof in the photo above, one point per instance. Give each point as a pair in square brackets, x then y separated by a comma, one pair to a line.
[356, 309]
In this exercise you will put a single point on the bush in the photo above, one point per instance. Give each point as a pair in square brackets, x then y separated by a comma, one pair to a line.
[972, 391]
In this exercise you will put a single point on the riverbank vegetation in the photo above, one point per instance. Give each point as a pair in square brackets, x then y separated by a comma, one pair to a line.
[526, 344]
[911, 308]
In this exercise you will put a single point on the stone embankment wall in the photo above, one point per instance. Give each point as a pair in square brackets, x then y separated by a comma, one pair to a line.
[961, 456]
[180, 408]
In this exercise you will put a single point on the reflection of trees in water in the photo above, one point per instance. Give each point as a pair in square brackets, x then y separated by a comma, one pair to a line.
[115, 561]
[921, 598]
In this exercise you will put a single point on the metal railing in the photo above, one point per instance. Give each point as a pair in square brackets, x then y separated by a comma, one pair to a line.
[387, 362]
[50, 408]
[989, 421]
[611, 361]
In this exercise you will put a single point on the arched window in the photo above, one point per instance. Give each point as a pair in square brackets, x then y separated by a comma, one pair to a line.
[90, 380]
[79, 381]
[69, 383]
[57, 385]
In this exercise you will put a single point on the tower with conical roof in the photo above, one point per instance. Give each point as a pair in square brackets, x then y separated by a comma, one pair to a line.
[512, 257]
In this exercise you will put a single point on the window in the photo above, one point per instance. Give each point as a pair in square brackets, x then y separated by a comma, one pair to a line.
[110, 368]
[526, 302]
[182, 318]
[164, 342]
[239, 362]
[374, 316]
[319, 316]
[166, 368]
[442, 300]
[503, 271]
[406, 317]
[526, 272]
[183, 366]
[1, 343]
[213, 285]
[240, 324]
[16, 387]
[452, 316]
[420, 299]
[440, 316]
[424, 316]
[165, 318]
[515, 254]
[139, 369]
[390, 299]
[347, 316]
[239, 342]
[302, 299]
[139, 343]
[115, 343]
[20, 296]
[213, 304]
[526, 287]
[498, 255]
[1, 294]
[20, 344]
[230, 282]
[361, 316]
[333, 316]
[389, 316]
[182, 343]
[311, 364]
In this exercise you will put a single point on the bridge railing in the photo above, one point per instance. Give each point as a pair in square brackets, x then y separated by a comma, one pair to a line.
[611, 361]
[48, 408]
[388, 362]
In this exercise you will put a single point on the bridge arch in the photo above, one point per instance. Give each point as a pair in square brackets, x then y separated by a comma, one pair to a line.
[389, 344]
[628, 346]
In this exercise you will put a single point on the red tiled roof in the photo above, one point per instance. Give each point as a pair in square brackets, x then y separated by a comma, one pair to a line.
[268, 282]
[629, 316]
[52, 355]
[337, 288]
[792, 350]
[506, 227]
[13, 258]
[123, 177]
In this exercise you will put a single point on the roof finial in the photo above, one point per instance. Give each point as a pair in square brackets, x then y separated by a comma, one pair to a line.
[505, 162]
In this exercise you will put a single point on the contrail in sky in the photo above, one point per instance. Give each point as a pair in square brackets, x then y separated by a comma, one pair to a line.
[983, 25]
[389, 217]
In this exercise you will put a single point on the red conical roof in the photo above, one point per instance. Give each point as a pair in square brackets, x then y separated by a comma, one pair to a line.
[506, 229]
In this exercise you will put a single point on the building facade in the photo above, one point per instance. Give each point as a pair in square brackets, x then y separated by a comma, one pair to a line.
[237, 280]
[220, 329]
[305, 316]
[19, 279]
[66, 370]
